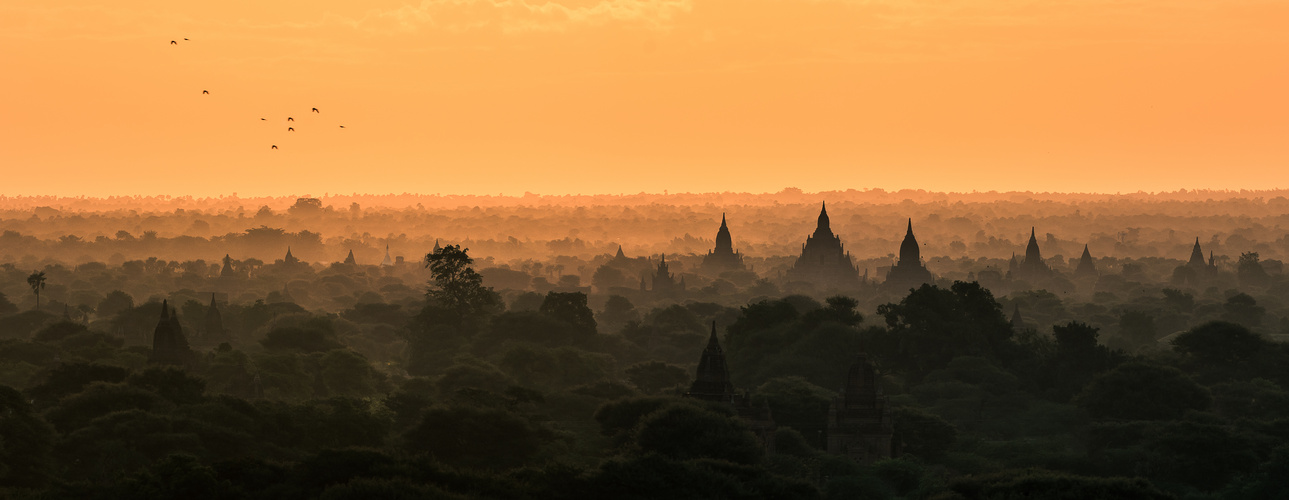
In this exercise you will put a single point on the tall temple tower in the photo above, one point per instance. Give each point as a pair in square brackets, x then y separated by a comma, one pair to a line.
[1197, 256]
[213, 323]
[823, 260]
[723, 257]
[1086, 268]
[909, 272]
[169, 346]
[664, 282]
[859, 423]
[226, 271]
[713, 382]
[1033, 268]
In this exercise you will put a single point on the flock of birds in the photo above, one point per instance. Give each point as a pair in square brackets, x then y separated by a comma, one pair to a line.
[289, 119]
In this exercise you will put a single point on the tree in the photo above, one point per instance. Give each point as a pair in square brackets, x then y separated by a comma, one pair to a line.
[486, 438]
[37, 283]
[1220, 343]
[1139, 391]
[27, 441]
[1250, 271]
[1138, 327]
[115, 302]
[1242, 308]
[6, 307]
[456, 286]
[686, 432]
[923, 434]
[570, 308]
[933, 325]
[652, 377]
[618, 311]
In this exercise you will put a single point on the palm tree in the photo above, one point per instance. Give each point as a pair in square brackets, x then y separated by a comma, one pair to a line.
[37, 282]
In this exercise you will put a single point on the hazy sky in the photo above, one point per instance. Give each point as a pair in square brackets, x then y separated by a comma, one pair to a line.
[613, 96]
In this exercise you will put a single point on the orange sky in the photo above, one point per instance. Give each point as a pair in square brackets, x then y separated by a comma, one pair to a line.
[623, 96]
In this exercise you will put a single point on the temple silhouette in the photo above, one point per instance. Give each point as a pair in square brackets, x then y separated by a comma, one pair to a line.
[664, 282]
[823, 261]
[1086, 268]
[1032, 269]
[169, 345]
[723, 258]
[712, 383]
[859, 422]
[909, 272]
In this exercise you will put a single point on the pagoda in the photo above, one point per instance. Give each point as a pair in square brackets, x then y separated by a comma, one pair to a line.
[823, 259]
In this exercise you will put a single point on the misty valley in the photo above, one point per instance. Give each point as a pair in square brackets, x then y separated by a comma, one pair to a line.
[850, 344]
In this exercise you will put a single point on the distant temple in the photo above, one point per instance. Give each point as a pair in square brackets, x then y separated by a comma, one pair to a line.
[909, 272]
[169, 346]
[665, 282]
[1032, 268]
[1017, 321]
[723, 257]
[350, 261]
[290, 259]
[713, 384]
[859, 423]
[389, 262]
[1197, 270]
[1086, 268]
[213, 323]
[227, 271]
[1197, 256]
[823, 261]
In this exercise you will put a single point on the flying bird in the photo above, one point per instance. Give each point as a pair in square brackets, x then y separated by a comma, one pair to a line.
[185, 39]
[205, 91]
[342, 126]
[290, 119]
[261, 119]
[290, 129]
[172, 42]
[315, 110]
[275, 146]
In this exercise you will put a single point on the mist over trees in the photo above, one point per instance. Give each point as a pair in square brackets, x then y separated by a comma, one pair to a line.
[506, 349]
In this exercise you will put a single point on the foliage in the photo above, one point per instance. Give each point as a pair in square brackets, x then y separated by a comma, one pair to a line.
[1139, 391]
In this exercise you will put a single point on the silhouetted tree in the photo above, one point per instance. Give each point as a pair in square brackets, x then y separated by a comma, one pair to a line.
[933, 325]
[37, 283]
[456, 286]
[1138, 391]
[570, 308]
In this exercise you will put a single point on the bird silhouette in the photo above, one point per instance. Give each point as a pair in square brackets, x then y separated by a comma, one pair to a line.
[315, 110]
[290, 129]
[172, 42]
[261, 119]
[274, 146]
[185, 39]
[342, 126]
[205, 91]
[290, 119]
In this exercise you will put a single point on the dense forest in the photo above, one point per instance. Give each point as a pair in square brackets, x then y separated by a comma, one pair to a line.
[520, 357]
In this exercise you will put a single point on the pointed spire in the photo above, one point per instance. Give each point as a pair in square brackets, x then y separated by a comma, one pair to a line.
[1197, 254]
[713, 344]
[910, 254]
[620, 255]
[212, 299]
[722, 220]
[165, 310]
